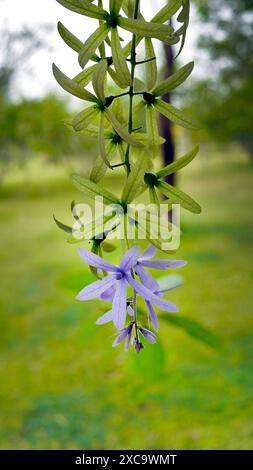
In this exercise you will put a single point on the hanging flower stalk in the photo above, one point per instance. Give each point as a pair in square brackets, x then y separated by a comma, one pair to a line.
[133, 148]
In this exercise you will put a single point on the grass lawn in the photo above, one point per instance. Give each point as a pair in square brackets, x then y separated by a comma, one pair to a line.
[64, 387]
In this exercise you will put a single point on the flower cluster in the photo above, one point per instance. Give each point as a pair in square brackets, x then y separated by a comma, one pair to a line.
[113, 288]
[121, 110]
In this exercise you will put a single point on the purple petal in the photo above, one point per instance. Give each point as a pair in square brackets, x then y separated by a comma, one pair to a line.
[163, 264]
[130, 311]
[148, 254]
[106, 318]
[128, 338]
[150, 337]
[130, 259]
[146, 278]
[153, 315]
[96, 261]
[146, 294]
[120, 338]
[119, 305]
[108, 295]
[96, 289]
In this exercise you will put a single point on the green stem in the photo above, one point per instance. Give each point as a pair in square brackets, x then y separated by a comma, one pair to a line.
[131, 89]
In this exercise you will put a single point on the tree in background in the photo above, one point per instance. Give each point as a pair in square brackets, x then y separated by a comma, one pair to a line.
[227, 38]
[16, 49]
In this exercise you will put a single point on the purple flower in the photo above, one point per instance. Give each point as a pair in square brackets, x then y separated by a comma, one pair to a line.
[125, 335]
[149, 282]
[145, 261]
[114, 285]
[148, 335]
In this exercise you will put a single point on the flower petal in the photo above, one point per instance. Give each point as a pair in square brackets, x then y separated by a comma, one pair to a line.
[94, 290]
[108, 295]
[163, 264]
[106, 318]
[149, 253]
[120, 338]
[130, 259]
[119, 305]
[150, 337]
[96, 261]
[146, 278]
[153, 315]
[128, 338]
[146, 294]
[130, 311]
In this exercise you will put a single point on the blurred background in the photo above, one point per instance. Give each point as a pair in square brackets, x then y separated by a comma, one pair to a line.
[62, 385]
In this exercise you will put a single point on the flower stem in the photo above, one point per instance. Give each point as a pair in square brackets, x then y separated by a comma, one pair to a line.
[131, 89]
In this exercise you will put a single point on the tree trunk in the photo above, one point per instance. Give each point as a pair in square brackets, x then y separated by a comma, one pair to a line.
[166, 126]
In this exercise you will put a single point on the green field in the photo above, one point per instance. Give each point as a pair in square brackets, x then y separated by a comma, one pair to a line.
[64, 387]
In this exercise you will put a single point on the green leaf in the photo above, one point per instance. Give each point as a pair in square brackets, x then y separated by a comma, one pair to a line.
[63, 227]
[115, 6]
[100, 168]
[84, 7]
[151, 66]
[119, 60]
[178, 164]
[85, 77]
[72, 87]
[101, 140]
[152, 127]
[91, 190]
[86, 117]
[145, 29]
[193, 328]
[124, 134]
[179, 197]
[174, 80]
[135, 183]
[92, 43]
[184, 17]
[175, 115]
[98, 79]
[167, 11]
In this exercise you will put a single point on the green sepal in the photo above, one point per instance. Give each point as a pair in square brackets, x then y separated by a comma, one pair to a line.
[85, 118]
[124, 134]
[178, 164]
[93, 42]
[177, 196]
[100, 168]
[174, 80]
[151, 66]
[84, 7]
[119, 60]
[72, 87]
[91, 190]
[175, 115]
[145, 29]
[99, 78]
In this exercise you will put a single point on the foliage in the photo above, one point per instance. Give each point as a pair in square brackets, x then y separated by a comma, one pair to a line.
[36, 127]
[227, 39]
[16, 48]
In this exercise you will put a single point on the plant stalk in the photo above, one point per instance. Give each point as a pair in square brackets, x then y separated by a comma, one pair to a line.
[131, 89]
